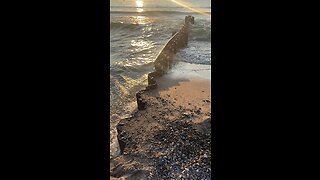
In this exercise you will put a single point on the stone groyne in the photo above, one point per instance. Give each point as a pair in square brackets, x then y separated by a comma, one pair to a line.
[162, 64]
[163, 61]
[169, 137]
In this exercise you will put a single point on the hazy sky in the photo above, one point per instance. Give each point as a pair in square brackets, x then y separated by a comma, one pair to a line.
[162, 3]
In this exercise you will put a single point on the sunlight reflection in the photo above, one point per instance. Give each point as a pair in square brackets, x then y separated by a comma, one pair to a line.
[140, 19]
[139, 10]
[139, 3]
[139, 6]
[189, 6]
[141, 45]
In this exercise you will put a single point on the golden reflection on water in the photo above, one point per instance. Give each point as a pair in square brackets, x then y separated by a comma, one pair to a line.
[142, 44]
[139, 10]
[139, 6]
[134, 63]
[139, 3]
[140, 20]
[131, 83]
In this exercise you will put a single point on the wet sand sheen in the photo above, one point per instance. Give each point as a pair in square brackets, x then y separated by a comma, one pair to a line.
[186, 93]
[187, 85]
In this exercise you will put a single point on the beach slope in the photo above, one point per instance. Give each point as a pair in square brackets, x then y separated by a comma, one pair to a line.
[171, 138]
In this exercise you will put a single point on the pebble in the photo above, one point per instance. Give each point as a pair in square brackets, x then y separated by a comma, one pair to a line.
[177, 151]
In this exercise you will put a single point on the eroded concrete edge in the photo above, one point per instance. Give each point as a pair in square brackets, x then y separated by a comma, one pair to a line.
[162, 64]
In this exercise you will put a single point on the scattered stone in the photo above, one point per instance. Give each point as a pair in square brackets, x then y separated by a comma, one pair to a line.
[162, 148]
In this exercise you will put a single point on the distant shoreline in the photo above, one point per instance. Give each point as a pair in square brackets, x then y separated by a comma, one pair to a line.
[157, 12]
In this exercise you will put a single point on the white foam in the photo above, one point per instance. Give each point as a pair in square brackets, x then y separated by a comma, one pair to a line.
[184, 70]
[114, 143]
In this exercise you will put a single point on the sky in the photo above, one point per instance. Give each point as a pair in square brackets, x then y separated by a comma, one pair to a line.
[163, 3]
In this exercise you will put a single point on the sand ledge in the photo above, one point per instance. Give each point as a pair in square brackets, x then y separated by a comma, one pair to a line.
[171, 138]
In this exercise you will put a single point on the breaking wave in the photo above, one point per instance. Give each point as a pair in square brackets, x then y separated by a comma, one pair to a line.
[120, 25]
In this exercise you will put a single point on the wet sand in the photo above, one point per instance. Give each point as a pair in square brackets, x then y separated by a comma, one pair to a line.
[171, 138]
[192, 93]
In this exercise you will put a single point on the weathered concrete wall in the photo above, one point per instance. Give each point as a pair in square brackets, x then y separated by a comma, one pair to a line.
[163, 61]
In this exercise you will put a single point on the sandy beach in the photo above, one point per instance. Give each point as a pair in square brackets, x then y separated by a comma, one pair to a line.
[186, 85]
[171, 138]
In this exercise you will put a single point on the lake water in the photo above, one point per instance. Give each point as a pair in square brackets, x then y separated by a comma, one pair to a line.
[137, 34]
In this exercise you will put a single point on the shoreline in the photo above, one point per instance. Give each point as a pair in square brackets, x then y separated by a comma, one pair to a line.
[171, 138]
[186, 85]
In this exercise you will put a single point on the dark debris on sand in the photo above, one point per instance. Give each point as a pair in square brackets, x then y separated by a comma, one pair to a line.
[163, 142]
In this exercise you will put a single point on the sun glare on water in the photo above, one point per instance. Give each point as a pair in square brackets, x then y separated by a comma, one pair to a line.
[139, 4]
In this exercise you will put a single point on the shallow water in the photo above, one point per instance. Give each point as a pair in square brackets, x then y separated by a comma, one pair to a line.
[136, 37]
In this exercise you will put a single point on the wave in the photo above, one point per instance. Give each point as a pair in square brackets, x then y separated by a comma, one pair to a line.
[200, 34]
[158, 7]
[117, 25]
[157, 12]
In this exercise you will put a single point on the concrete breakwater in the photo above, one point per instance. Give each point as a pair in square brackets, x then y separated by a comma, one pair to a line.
[169, 137]
[163, 61]
[162, 64]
